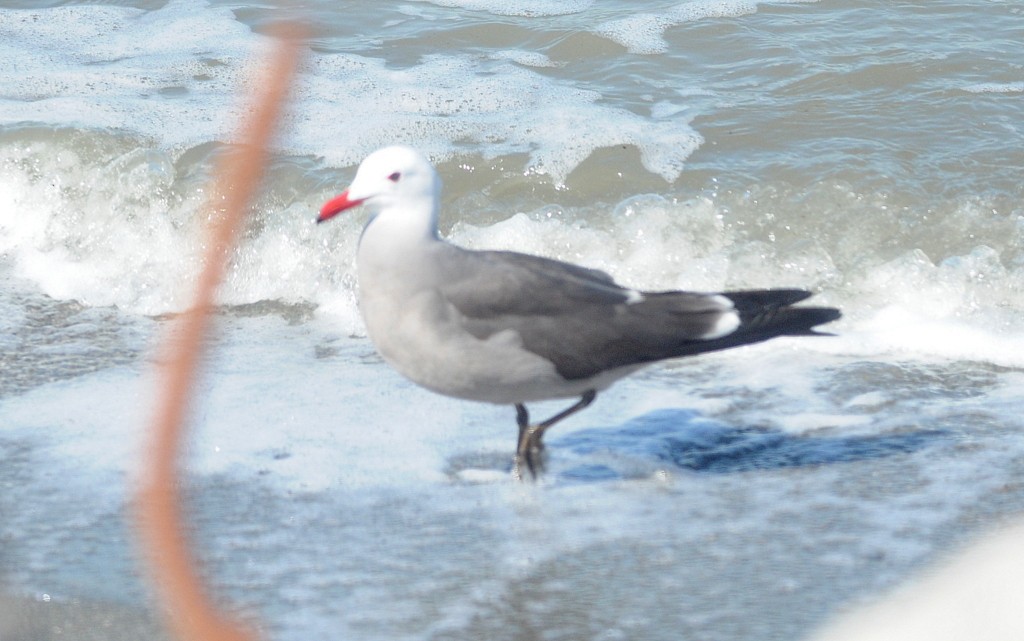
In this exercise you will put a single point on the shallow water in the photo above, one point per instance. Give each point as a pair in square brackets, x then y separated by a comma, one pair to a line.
[869, 151]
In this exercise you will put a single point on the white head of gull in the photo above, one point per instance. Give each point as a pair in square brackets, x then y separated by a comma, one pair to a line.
[506, 327]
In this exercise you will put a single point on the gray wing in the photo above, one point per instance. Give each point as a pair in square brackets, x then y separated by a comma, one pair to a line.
[485, 284]
[577, 318]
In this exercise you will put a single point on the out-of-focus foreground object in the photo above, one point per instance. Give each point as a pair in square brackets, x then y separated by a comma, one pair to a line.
[974, 596]
[171, 566]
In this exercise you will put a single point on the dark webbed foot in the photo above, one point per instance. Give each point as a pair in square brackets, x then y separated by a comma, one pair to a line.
[530, 447]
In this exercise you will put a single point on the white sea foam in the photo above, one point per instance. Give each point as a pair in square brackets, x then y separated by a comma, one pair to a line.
[104, 233]
[261, 364]
[902, 331]
[526, 58]
[452, 98]
[646, 241]
[996, 87]
[643, 33]
[527, 8]
[170, 75]
[133, 239]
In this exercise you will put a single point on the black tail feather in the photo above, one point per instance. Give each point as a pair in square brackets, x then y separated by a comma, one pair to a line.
[766, 314]
[771, 311]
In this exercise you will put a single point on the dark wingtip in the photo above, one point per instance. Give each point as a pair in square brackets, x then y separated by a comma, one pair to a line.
[803, 321]
[822, 315]
[761, 299]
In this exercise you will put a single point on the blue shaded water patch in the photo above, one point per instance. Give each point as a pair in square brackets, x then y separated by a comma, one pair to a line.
[690, 441]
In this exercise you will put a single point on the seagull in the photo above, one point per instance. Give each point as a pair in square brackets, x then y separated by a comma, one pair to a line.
[511, 328]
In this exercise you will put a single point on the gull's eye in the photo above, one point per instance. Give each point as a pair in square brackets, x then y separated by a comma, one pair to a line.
[394, 177]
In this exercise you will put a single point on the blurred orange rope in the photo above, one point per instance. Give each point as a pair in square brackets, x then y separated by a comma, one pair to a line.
[190, 614]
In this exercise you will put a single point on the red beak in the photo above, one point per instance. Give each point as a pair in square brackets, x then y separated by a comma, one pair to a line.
[336, 205]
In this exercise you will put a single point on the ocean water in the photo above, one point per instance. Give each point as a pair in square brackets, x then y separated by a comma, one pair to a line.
[868, 150]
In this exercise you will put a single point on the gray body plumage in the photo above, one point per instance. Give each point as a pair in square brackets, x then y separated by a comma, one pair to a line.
[585, 323]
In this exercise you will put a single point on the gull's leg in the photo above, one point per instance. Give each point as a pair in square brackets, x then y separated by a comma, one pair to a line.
[530, 445]
[523, 421]
[537, 432]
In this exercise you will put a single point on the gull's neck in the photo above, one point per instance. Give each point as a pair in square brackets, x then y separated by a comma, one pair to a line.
[397, 233]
